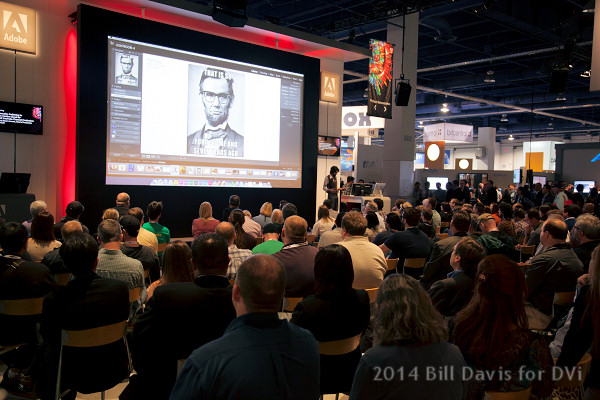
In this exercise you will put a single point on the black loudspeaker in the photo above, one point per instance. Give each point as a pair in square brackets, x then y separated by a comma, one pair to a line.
[403, 93]
[232, 13]
[558, 80]
[529, 179]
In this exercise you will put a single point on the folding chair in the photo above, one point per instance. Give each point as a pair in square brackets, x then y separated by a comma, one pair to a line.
[62, 279]
[574, 380]
[289, 303]
[392, 264]
[339, 347]
[372, 294]
[415, 263]
[20, 308]
[521, 395]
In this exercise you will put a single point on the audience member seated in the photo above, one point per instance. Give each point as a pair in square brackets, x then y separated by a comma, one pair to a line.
[371, 206]
[260, 356]
[35, 208]
[145, 237]
[329, 204]
[110, 213]
[179, 318]
[234, 204]
[264, 217]
[494, 241]
[122, 204]
[393, 224]
[584, 332]
[438, 267]
[452, 294]
[205, 223]
[410, 336]
[236, 255]
[88, 301]
[588, 208]
[556, 269]
[474, 229]
[42, 239]
[271, 243]
[277, 217]
[112, 263]
[176, 265]
[368, 261]
[52, 259]
[162, 233]
[544, 208]
[324, 222]
[243, 240]
[73, 212]
[585, 237]
[373, 227]
[535, 227]
[410, 243]
[547, 195]
[570, 214]
[334, 312]
[425, 224]
[521, 224]
[132, 248]
[288, 210]
[334, 235]
[493, 334]
[252, 228]
[297, 257]
[430, 203]
[507, 224]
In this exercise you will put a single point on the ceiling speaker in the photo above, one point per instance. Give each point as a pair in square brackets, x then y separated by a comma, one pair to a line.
[233, 13]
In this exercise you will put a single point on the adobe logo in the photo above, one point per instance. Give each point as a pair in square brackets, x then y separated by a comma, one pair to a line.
[597, 158]
[18, 29]
[329, 87]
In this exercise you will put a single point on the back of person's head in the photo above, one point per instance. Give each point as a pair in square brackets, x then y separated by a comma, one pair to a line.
[579, 188]
[398, 203]
[372, 220]
[507, 210]
[138, 213]
[589, 225]
[557, 229]
[266, 209]
[555, 214]
[412, 216]
[79, 253]
[354, 223]
[471, 253]
[13, 238]
[427, 214]
[432, 202]
[70, 228]
[42, 227]
[544, 208]
[461, 221]
[494, 207]
[122, 198]
[394, 221]
[519, 213]
[130, 224]
[333, 270]
[350, 179]
[176, 263]
[234, 201]
[379, 203]
[205, 211]
[323, 212]
[37, 207]
[370, 206]
[495, 308]
[532, 213]
[277, 217]
[295, 228]
[226, 230]
[288, 210]
[573, 210]
[210, 254]
[261, 281]
[487, 220]
[154, 210]
[588, 208]
[405, 311]
[74, 209]
[247, 213]
[328, 203]
[237, 218]
[110, 213]
[109, 230]
[475, 223]
[338, 219]
[282, 203]
[446, 207]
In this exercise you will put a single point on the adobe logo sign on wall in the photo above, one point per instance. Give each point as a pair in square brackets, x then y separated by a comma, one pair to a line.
[18, 29]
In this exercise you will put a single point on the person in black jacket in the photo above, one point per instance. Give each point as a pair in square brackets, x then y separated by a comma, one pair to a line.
[489, 194]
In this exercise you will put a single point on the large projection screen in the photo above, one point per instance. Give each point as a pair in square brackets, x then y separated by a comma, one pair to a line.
[143, 124]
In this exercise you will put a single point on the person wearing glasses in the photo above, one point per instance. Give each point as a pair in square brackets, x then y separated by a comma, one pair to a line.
[127, 77]
[216, 138]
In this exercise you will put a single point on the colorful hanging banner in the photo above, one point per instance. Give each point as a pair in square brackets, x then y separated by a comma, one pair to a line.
[381, 82]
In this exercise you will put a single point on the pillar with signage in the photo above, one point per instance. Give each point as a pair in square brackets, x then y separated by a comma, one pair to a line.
[487, 140]
[436, 136]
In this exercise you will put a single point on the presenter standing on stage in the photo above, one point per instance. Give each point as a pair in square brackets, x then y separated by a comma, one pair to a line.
[330, 185]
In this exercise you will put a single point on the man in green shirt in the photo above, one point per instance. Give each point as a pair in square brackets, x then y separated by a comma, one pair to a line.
[271, 242]
[163, 235]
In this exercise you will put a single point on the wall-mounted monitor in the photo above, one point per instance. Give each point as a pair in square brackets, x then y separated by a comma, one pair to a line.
[539, 179]
[21, 118]
[433, 181]
[347, 159]
[517, 176]
[329, 146]
[362, 189]
[586, 185]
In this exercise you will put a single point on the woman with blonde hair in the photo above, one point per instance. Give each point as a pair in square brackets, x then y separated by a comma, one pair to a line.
[277, 217]
[110, 213]
[325, 222]
[205, 223]
[410, 338]
[264, 217]
[176, 265]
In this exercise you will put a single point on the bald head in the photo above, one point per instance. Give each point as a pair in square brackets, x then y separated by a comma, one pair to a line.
[556, 229]
[294, 229]
[123, 199]
[227, 231]
[70, 228]
[260, 285]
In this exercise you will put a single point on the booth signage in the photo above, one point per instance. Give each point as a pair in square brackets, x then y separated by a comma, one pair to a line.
[330, 87]
[18, 30]
[356, 117]
[380, 79]
[449, 133]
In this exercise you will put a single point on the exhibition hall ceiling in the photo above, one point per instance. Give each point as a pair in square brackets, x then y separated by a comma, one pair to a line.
[490, 61]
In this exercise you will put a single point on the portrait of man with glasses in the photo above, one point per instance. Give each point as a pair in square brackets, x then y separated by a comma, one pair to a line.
[127, 76]
[216, 138]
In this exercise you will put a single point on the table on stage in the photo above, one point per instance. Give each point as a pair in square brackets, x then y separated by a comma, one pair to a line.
[353, 202]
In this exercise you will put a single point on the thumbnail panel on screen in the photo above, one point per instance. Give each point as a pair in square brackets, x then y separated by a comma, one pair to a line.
[174, 114]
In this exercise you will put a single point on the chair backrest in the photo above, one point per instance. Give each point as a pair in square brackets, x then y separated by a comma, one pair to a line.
[259, 240]
[442, 236]
[392, 263]
[289, 303]
[22, 307]
[564, 298]
[414, 262]
[338, 347]
[62, 279]
[372, 294]
[438, 229]
[521, 395]
[162, 247]
[135, 294]
[575, 378]
[444, 224]
[146, 273]
[528, 250]
[311, 238]
[94, 337]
